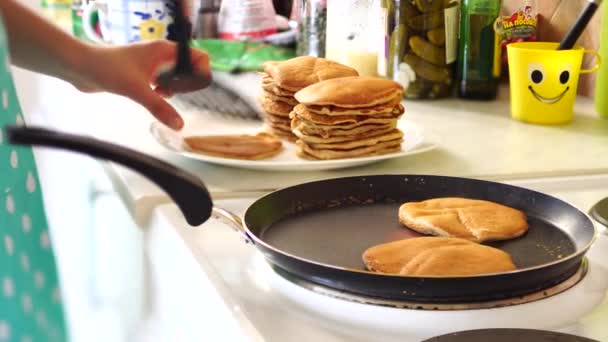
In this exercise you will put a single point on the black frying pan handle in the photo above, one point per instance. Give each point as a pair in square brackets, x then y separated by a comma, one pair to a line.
[185, 189]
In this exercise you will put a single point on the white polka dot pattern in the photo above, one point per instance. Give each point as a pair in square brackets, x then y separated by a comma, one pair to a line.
[9, 244]
[41, 318]
[10, 204]
[30, 183]
[39, 279]
[26, 223]
[1, 136]
[26, 339]
[26, 303]
[44, 240]
[8, 287]
[5, 331]
[56, 295]
[19, 120]
[5, 99]
[14, 159]
[25, 262]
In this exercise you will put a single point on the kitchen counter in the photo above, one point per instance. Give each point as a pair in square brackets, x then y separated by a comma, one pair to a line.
[475, 139]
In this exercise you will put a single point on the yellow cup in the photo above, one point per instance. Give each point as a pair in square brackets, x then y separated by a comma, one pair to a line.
[544, 81]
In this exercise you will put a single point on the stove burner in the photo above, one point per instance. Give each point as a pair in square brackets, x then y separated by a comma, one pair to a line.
[508, 335]
[532, 297]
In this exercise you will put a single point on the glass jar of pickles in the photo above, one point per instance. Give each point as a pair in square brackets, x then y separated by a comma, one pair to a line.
[421, 45]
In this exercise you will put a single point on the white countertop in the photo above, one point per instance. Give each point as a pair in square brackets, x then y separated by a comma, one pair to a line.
[476, 139]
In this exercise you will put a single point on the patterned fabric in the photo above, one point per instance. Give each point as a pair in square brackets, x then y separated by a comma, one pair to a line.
[30, 303]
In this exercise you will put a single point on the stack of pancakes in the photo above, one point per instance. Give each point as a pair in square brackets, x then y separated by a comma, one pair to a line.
[348, 117]
[281, 80]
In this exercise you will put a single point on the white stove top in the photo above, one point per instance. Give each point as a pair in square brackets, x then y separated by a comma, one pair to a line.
[279, 310]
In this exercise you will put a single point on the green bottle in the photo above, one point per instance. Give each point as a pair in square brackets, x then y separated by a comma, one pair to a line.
[601, 85]
[476, 77]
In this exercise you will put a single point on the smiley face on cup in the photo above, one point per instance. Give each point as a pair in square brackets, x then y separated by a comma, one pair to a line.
[544, 81]
[549, 85]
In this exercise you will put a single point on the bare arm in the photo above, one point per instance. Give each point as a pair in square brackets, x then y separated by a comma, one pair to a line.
[38, 45]
[128, 70]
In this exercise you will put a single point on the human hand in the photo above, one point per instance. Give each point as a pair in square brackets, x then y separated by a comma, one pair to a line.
[131, 70]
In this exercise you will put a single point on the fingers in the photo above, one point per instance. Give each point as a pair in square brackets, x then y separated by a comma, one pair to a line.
[156, 105]
[200, 61]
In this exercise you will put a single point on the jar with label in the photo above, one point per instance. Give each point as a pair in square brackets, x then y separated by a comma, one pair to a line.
[420, 45]
[352, 34]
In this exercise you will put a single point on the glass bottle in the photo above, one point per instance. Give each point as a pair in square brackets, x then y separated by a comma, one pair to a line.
[601, 86]
[478, 60]
[352, 34]
[420, 45]
[311, 16]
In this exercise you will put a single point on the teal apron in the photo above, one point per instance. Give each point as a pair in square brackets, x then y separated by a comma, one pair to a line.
[30, 303]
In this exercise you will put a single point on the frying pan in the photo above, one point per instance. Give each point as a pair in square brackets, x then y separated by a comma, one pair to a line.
[317, 231]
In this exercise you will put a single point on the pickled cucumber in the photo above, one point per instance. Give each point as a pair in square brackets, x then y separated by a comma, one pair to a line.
[437, 36]
[427, 70]
[407, 10]
[427, 21]
[427, 51]
[397, 47]
[418, 89]
[426, 6]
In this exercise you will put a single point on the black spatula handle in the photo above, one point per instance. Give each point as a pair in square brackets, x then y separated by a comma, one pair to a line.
[579, 26]
[187, 190]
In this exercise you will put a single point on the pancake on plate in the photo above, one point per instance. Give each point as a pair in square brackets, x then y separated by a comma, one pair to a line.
[282, 79]
[241, 146]
[348, 117]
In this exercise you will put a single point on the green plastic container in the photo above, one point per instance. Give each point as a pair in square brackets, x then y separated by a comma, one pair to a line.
[239, 56]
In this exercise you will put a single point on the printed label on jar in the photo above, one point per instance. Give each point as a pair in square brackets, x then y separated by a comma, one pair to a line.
[451, 33]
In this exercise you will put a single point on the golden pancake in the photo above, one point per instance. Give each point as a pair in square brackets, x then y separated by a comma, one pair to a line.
[277, 118]
[474, 220]
[284, 126]
[304, 114]
[436, 257]
[269, 85]
[312, 139]
[462, 260]
[300, 72]
[305, 150]
[281, 134]
[350, 92]
[325, 131]
[391, 257]
[251, 147]
[274, 107]
[285, 99]
[392, 135]
[393, 106]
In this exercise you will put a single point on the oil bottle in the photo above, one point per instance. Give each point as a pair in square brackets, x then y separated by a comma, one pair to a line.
[476, 74]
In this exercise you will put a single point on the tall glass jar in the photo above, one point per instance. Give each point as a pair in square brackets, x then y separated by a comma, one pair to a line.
[420, 45]
[352, 34]
[311, 16]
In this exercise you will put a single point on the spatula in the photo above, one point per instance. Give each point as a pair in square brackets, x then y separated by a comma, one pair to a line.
[579, 26]
[182, 78]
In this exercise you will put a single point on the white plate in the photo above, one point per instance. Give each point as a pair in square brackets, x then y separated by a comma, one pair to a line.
[414, 142]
